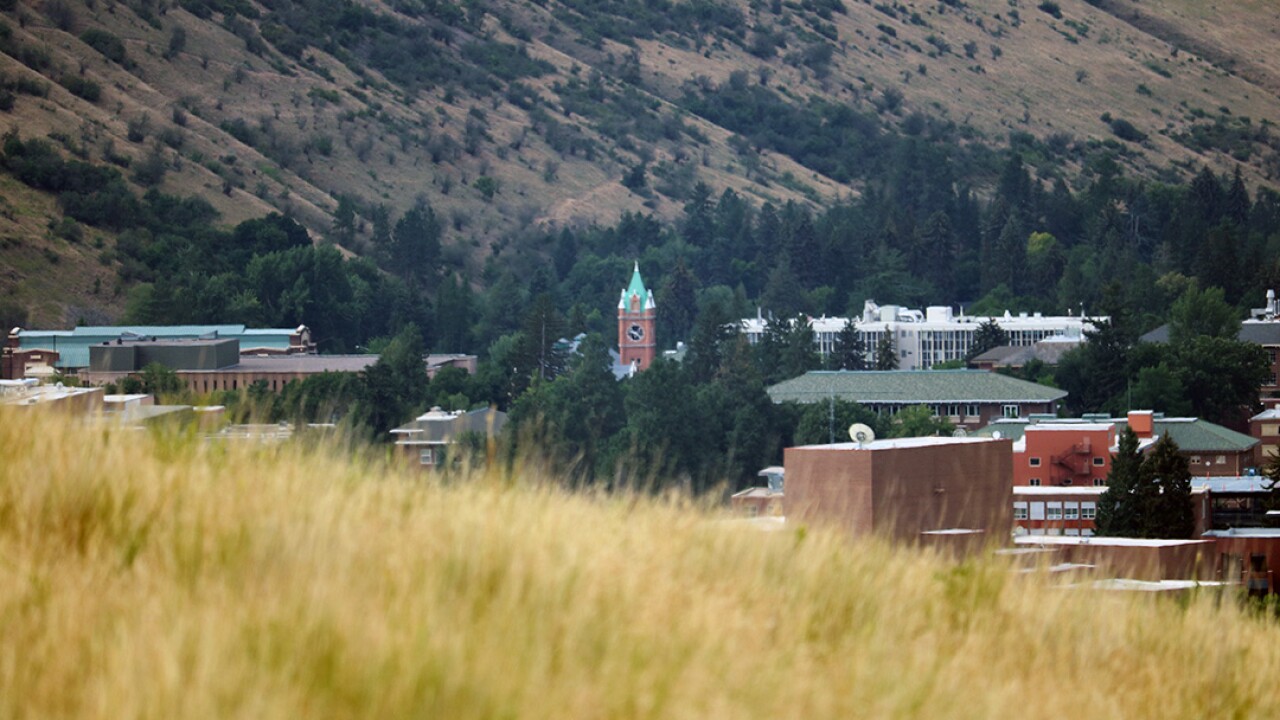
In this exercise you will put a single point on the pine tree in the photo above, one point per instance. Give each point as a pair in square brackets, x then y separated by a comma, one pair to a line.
[849, 353]
[987, 336]
[1119, 513]
[1165, 481]
[886, 351]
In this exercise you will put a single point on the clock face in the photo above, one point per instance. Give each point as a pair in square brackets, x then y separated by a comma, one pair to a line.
[635, 332]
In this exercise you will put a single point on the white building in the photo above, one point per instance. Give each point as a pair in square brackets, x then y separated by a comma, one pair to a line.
[934, 336]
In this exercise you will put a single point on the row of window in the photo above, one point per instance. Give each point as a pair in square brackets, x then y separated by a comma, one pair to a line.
[1054, 510]
[1055, 532]
[1219, 460]
[1097, 482]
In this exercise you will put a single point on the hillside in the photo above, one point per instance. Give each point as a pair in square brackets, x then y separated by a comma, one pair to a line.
[233, 581]
[506, 116]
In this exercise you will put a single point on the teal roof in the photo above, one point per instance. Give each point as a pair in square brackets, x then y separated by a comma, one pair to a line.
[912, 387]
[635, 288]
[72, 346]
[1191, 434]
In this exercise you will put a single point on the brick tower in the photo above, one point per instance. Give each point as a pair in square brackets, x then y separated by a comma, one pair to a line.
[636, 314]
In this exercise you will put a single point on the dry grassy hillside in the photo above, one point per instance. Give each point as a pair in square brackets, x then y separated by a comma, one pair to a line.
[156, 576]
[236, 120]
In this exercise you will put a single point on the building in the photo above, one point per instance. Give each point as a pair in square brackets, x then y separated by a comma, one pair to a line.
[1055, 511]
[1265, 428]
[637, 318]
[425, 440]
[763, 501]
[213, 364]
[932, 337]
[68, 350]
[1262, 328]
[1064, 454]
[969, 399]
[907, 489]
[1235, 502]
[1048, 351]
[1211, 450]
[1133, 558]
[1248, 556]
[29, 394]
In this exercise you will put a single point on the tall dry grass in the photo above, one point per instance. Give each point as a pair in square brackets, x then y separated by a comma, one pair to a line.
[159, 577]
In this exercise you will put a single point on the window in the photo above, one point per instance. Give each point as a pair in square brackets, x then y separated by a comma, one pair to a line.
[1099, 482]
[1070, 512]
[953, 410]
[1195, 459]
[972, 411]
[1072, 532]
[1066, 481]
[1034, 482]
[1037, 511]
[1020, 513]
[1088, 511]
[1099, 462]
[1034, 462]
[1053, 513]
[1011, 411]
[426, 457]
[1222, 460]
[1086, 532]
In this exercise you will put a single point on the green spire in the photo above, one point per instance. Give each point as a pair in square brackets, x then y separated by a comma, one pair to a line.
[636, 288]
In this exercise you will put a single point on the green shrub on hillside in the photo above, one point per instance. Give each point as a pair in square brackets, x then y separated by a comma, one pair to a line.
[82, 87]
[106, 43]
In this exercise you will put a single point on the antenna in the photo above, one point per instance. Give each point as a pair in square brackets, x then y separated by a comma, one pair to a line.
[861, 434]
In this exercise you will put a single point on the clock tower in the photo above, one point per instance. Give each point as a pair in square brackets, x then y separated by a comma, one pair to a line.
[636, 318]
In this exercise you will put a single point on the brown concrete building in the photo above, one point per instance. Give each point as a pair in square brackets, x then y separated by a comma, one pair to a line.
[903, 488]
[27, 394]
[1134, 558]
[426, 440]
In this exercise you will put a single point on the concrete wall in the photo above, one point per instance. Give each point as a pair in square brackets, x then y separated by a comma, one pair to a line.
[900, 491]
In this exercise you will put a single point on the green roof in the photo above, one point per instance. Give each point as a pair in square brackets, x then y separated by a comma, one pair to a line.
[1191, 434]
[912, 387]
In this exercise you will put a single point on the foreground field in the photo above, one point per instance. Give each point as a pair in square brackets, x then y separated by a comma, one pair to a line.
[158, 577]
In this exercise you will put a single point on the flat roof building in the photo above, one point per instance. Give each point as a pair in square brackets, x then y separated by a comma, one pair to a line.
[72, 346]
[908, 489]
[936, 335]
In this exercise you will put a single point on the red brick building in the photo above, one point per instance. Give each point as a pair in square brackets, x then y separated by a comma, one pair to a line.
[1064, 455]
[903, 488]
[637, 317]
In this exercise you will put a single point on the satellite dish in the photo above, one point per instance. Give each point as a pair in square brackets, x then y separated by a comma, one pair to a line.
[960, 432]
[996, 435]
[861, 433]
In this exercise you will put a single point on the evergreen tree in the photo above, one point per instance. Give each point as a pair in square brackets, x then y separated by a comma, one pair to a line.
[677, 304]
[396, 386]
[540, 353]
[1166, 480]
[416, 245]
[986, 336]
[1119, 509]
[886, 351]
[799, 354]
[1237, 201]
[849, 352]
[706, 349]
